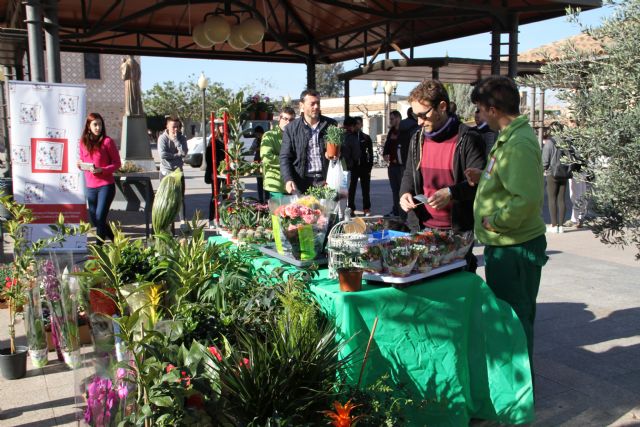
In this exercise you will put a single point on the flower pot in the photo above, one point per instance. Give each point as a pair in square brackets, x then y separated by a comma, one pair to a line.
[72, 358]
[13, 366]
[333, 150]
[263, 115]
[39, 357]
[401, 270]
[350, 279]
[373, 266]
[85, 334]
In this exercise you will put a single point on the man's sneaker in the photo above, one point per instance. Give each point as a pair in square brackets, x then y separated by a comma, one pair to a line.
[580, 224]
[569, 224]
[367, 212]
[560, 229]
[552, 229]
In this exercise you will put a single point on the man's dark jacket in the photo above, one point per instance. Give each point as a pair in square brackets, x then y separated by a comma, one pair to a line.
[469, 153]
[293, 153]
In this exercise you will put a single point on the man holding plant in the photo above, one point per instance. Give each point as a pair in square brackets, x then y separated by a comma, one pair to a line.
[438, 156]
[303, 162]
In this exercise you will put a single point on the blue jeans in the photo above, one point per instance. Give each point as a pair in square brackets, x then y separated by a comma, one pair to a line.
[99, 200]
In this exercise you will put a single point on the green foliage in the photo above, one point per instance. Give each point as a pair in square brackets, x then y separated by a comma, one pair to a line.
[139, 264]
[460, 93]
[604, 100]
[167, 202]
[335, 135]
[382, 403]
[322, 193]
[327, 82]
[284, 375]
[183, 99]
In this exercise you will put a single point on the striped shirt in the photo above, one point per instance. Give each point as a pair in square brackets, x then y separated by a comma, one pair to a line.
[314, 156]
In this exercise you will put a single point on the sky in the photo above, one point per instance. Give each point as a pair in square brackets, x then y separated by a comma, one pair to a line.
[279, 80]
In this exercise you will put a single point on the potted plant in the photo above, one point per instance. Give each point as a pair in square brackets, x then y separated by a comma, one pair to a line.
[399, 256]
[349, 276]
[13, 360]
[25, 273]
[334, 137]
[372, 258]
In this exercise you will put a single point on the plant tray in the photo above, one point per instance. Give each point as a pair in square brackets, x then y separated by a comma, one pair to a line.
[403, 282]
[272, 252]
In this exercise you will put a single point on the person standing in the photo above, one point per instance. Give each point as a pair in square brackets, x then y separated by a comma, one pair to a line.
[394, 153]
[483, 129]
[362, 171]
[303, 162]
[255, 148]
[509, 201]
[99, 150]
[438, 157]
[219, 144]
[557, 176]
[270, 154]
[172, 148]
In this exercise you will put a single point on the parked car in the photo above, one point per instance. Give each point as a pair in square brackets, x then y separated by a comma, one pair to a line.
[195, 154]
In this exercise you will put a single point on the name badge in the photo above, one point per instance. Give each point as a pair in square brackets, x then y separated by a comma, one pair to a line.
[489, 169]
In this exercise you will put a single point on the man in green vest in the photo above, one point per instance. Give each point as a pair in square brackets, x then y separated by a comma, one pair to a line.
[270, 154]
[508, 203]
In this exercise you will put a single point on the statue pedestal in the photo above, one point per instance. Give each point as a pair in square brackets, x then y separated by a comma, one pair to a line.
[134, 143]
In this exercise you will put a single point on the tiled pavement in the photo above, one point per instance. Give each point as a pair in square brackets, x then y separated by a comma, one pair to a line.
[587, 349]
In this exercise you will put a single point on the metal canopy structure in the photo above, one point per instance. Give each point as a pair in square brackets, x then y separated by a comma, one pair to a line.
[449, 70]
[301, 31]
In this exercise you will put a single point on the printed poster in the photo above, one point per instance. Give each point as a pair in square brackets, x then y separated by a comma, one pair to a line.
[47, 120]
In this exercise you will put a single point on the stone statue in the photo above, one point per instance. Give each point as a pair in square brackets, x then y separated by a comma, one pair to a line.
[130, 70]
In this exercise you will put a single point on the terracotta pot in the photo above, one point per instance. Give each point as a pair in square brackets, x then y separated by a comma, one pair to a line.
[85, 334]
[333, 150]
[350, 279]
[262, 115]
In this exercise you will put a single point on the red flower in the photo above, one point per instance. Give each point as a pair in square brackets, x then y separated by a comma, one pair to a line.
[245, 362]
[341, 416]
[170, 368]
[215, 352]
[195, 401]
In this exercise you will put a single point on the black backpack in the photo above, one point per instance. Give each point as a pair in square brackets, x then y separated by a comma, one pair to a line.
[558, 169]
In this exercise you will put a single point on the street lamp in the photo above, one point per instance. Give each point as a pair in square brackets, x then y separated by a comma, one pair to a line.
[388, 89]
[394, 85]
[287, 100]
[203, 82]
[374, 85]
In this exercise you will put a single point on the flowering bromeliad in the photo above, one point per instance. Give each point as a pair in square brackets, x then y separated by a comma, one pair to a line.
[341, 416]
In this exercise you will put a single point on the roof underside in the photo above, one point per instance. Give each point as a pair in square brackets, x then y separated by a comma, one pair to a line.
[323, 31]
[450, 70]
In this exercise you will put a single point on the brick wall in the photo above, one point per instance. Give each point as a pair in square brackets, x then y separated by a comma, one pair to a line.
[104, 95]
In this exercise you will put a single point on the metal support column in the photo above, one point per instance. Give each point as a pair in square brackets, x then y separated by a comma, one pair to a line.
[52, 39]
[495, 48]
[541, 119]
[311, 72]
[346, 98]
[513, 45]
[33, 11]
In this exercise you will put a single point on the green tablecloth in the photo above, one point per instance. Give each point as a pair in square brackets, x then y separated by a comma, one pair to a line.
[447, 339]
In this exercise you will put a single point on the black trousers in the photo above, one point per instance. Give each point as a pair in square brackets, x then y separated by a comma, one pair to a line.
[556, 189]
[363, 173]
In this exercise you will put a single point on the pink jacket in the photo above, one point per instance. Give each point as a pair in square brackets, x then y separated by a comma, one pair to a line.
[106, 156]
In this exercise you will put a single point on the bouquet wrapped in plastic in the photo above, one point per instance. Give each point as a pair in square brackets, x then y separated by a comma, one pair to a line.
[300, 225]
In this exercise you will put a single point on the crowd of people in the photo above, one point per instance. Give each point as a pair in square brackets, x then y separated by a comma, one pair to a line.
[443, 174]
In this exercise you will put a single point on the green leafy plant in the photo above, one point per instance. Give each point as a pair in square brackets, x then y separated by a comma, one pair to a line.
[130, 167]
[335, 135]
[24, 254]
[322, 193]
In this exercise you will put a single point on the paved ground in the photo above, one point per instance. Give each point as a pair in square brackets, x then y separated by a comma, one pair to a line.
[587, 333]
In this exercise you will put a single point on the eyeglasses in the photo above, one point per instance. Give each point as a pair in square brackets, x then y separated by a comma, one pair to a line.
[286, 119]
[424, 114]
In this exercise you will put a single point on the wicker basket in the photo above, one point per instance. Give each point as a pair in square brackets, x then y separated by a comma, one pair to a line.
[345, 249]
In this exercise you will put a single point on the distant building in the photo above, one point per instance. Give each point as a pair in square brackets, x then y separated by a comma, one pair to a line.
[105, 88]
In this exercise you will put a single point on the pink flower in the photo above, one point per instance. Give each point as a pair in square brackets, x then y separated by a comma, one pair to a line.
[245, 362]
[215, 352]
[170, 368]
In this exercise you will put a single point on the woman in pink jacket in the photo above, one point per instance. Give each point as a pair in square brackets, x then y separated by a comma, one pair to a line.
[101, 152]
